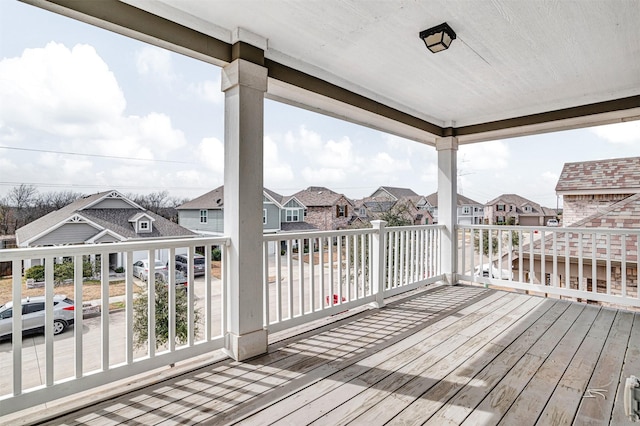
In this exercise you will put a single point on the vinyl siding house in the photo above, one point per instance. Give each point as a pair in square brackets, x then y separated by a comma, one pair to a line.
[205, 214]
[470, 212]
[105, 217]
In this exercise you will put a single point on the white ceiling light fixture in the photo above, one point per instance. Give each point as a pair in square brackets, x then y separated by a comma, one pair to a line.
[438, 38]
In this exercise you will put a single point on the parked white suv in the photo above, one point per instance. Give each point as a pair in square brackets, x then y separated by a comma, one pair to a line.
[33, 315]
[552, 222]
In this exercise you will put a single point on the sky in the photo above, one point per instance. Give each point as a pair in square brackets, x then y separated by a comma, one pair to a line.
[87, 110]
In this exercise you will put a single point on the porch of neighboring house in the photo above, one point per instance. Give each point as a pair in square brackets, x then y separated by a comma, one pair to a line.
[440, 355]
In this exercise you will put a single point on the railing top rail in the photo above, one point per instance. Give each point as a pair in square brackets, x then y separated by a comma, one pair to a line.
[80, 249]
[315, 234]
[413, 227]
[342, 232]
[540, 228]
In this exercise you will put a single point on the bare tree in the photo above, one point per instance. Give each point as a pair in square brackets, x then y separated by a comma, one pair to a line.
[22, 197]
[6, 217]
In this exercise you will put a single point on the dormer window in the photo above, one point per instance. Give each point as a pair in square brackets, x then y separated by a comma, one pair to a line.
[527, 209]
[144, 226]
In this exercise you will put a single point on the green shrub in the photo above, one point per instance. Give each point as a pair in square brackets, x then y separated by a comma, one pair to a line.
[216, 254]
[119, 270]
[35, 273]
[141, 317]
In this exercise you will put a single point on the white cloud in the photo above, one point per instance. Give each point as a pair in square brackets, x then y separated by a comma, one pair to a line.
[323, 176]
[211, 154]
[483, 156]
[276, 172]
[58, 91]
[156, 62]
[208, 90]
[628, 132]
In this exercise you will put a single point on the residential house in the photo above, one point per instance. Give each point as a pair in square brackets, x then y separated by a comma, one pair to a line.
[401, 201]
[589, 187]
[512, 208]
[205, 214]
[324, 209]
[622, 214]
[470, 212]
[105, 217]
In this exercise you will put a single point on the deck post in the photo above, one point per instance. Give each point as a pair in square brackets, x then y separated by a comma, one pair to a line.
[377, 261]
[244, 84]
[447, 204]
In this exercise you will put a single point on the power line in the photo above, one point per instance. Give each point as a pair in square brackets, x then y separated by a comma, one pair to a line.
[71, 185]
[114, 157]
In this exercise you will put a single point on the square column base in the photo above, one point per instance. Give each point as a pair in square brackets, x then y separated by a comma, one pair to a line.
[246, 346]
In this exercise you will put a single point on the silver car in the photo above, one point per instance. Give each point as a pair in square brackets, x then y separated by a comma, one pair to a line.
[141, 268]
[33, 315]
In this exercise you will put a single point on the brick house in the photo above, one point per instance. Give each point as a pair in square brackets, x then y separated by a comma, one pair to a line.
[518, 209]
[324, 209]
[596, 194]
[591, 186]
[470, 212]
[623, 214]
[401, 201]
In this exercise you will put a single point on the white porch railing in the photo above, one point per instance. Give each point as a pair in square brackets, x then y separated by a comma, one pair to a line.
[102, 350]
[588, 264]
[316, 274]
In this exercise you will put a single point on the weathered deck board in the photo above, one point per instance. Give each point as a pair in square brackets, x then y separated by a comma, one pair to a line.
[405, 349]
[631, 367]
[562, 405]
[448, 355]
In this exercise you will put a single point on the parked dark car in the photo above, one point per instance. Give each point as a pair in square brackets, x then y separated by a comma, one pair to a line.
[182, 262]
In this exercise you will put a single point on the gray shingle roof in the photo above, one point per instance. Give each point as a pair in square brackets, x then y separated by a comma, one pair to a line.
[215, 200]
[617, 175]
[40, 225]
[116, 220]
[211, 200]
[297, 227]
[398, 192]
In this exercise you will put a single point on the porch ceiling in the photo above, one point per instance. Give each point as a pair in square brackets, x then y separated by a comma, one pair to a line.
[516, 68]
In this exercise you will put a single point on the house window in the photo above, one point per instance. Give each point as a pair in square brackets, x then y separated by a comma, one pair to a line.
[466, 210]
[203, 216]
[527, 209]
[292, 215]
[264, 216]
[499, 219]
[341, 211]
[511, 208]
[144, 225]
[363, 211]
[305, 212]
[500, 207]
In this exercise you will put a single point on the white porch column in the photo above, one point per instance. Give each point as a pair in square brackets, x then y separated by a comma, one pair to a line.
[244, 84]
[447, 204]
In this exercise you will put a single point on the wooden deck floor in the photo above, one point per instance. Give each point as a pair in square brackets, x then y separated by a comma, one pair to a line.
[448, 355]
